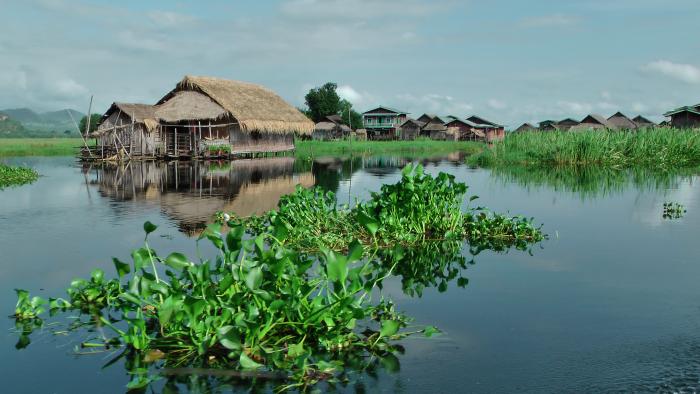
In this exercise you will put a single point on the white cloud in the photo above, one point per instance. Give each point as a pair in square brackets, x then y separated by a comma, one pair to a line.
[497, 104]
[575, 107]
[682, 72]
[170, 19]
[434, 103]
[359, 9]
[348, 93]
[555, 20]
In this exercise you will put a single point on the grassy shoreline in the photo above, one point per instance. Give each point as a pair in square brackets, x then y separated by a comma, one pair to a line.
[69, 147]
[655, 148]
[39, 146]
[421, 146]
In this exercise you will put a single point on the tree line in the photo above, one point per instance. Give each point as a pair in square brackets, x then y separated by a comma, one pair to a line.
[324, 101]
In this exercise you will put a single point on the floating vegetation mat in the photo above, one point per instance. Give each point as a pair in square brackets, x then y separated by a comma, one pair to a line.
[16, 176]
[291, 296]
[673, 210]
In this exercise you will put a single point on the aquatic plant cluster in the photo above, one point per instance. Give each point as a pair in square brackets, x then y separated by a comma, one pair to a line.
[657, 147]
[15, 176]
[290, 292]
[673, 210]
[418, 209]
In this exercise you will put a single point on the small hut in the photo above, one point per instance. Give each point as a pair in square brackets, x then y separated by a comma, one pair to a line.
[567, 124]
[206, 114]
[360, 134]
[525, 127]
[622, 122]
[493, 131]
[593, 122]
[549, 125]
[643, 122]
[685, 117]
[127, 130]
[331, 128]
[467, 130]
[410, 129]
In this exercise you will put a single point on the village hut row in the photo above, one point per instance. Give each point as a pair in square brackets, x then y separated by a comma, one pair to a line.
[201, 117]
[617, 121]
[386, 123]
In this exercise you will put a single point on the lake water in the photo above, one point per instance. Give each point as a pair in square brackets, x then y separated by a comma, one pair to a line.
[610, 302]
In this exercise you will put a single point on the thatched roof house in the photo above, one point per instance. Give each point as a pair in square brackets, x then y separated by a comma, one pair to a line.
[643, 122]
[622, 122]
[525, 127]
[331, 128]
[410, 129]
[549, 125]
[567, 124]
[482, 121]
[593, 121]
[126, 129]
[247, 117]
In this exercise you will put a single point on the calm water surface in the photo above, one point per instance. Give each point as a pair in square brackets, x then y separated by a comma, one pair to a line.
[610, 302]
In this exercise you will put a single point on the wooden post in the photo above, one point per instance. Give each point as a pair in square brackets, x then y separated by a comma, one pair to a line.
[199, 131]
[176, 152]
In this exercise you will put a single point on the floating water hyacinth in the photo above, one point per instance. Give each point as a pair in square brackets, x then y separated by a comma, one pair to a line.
[290, 293]
[673, 210]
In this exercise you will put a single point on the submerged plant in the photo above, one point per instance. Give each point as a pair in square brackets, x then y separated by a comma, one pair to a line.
[673, 210]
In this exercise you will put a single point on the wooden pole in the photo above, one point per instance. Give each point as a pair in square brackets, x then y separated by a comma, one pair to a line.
[79, 132]
[176, 152]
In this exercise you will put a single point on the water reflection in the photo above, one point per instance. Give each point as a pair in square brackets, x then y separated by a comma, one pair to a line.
[590, 181]
[191, 192]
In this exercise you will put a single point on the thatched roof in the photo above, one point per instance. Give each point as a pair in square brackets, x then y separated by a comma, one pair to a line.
[526, 127]
[334, 118]
[189, 105]
[643, 121]
[138, 113]
[434, 127]
[325, 126]
[595, 119]
[479, 120]
[621, 121]
[413, 122]
[256, 108]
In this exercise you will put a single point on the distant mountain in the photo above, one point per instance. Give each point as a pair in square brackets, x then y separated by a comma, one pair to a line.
[39, 123]
[22, 115]
[62, 116]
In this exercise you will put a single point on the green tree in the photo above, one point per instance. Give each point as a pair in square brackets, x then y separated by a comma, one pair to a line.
[323, 101]
[94, 120]
[350, 117]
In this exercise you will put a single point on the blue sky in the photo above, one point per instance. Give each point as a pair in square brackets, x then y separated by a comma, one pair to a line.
[509, 60]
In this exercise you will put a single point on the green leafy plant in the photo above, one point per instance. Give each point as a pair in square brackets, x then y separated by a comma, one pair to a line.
[258, 305]
[673, 210]
[15, 176]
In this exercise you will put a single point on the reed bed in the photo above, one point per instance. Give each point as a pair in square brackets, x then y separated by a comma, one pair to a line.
[659, 148]
[419, 146]
[39, 146]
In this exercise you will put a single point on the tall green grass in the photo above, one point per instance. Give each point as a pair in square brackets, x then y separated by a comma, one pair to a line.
[419, 146]
[39, 146]
[659, 148]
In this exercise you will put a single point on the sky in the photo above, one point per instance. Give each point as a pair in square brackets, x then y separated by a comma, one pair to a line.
[511, 61]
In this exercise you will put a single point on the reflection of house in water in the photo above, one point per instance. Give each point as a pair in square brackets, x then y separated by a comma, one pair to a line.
[191, 192]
